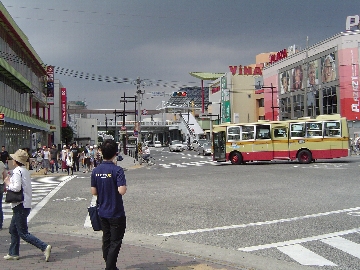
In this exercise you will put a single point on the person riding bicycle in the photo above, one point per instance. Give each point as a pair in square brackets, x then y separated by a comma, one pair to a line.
[146, 154]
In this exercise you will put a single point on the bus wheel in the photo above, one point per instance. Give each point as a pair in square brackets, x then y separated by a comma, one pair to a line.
[236, 159]
[304, 157]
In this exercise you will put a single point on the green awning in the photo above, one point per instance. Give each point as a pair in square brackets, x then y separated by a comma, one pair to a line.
[206, 76]
[13, 75]
[23, 120]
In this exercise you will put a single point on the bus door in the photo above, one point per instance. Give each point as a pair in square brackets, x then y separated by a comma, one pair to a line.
[219, 145]
[280, 140]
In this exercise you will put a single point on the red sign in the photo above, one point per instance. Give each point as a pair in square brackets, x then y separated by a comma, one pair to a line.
[63, 108]
[245, 70]
[215, 89]
[278, 56]
[2, 116]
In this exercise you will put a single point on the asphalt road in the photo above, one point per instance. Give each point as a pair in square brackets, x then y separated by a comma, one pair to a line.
[278, 211]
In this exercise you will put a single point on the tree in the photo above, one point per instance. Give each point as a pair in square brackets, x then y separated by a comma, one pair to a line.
[67, 134]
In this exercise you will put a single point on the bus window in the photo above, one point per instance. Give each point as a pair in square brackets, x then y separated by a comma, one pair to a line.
[297, 130]
[332, 129]
[262, 132]
[247, 133]
[233, 134]
[280, 132]
[314, 129]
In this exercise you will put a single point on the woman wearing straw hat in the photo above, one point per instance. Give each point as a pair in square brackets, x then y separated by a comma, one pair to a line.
[18, 227]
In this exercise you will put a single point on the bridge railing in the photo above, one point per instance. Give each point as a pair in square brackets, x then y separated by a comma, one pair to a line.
[143, 123]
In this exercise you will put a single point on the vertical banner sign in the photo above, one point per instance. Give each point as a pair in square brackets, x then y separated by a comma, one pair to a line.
[50, 85]
[225, 101]
[63, 108]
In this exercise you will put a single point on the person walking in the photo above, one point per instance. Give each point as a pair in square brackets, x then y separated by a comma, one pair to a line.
[4, 156]
[20, 179]
[76, 156]
[109, 184]
[63, 158]
[46, 159]
[69, 161]
[2, 177]
[54, 154]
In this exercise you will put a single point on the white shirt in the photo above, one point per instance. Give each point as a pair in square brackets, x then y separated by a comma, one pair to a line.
[147, 151]
[21, 177]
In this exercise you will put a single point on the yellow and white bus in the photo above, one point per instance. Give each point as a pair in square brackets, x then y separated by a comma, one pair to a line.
[303, 139]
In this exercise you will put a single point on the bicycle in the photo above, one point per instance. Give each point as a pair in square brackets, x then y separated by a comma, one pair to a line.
[150, 161]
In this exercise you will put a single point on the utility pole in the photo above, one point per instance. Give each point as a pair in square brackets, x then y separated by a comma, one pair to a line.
[139, 94]
[272, 100]
[123, 128]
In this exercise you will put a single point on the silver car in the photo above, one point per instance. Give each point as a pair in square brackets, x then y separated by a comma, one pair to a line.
[205, 149]
[176, 146]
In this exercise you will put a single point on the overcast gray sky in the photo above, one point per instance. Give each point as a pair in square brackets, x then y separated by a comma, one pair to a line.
[166, 39]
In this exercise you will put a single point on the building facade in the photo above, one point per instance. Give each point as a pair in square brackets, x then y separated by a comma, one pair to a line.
[322, 79]
[23, 95]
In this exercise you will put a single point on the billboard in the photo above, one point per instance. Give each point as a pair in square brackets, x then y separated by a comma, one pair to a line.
[50, 85]
[63, 108]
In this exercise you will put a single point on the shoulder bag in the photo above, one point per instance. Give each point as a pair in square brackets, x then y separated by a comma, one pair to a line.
[94, 217]
[15, 197]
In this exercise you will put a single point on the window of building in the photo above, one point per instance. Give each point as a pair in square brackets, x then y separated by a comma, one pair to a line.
[329, 100]
[260, 102]
[298, 103]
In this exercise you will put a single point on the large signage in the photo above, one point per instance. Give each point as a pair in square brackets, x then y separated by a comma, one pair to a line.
[353, 22]
[63, 108]
[245, 70]
[278, 56]
[50, 85]
[225, 101]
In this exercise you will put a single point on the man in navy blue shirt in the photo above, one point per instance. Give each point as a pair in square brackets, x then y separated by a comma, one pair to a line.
[109, 184]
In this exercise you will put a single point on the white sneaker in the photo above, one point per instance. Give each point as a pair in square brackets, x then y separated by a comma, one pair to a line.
[9, 257]
[47, 253]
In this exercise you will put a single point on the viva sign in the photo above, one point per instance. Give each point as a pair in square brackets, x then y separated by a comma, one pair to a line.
[245, 70]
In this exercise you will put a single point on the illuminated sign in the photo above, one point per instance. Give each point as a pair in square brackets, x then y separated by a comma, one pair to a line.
[278, 56]
[245, 70]
[353, 22]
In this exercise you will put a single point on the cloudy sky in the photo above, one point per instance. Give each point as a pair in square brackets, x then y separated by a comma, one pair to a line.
[166, 39]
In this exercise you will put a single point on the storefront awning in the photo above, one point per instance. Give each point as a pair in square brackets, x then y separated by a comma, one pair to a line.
[23, 120]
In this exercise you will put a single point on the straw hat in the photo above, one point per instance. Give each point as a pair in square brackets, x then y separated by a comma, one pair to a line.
[20, 156]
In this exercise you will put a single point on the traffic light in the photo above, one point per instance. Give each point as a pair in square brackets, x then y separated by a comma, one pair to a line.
[179, 94]
[2, 119]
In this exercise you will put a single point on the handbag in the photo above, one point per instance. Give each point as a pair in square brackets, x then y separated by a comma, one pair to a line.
[14, 197]
[94, 218]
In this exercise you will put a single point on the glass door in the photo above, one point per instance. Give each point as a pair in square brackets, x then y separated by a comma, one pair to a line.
[219, 145]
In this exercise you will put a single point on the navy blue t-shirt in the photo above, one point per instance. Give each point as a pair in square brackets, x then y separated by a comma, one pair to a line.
[106, 178]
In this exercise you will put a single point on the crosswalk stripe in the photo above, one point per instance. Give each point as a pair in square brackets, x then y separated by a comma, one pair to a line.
[305, 256]
[344, 245]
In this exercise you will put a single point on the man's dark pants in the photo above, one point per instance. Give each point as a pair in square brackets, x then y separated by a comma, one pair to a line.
[76, 165]
[113, 233]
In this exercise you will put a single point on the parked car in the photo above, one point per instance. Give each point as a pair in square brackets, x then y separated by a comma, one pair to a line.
[157, 144]
[184, 145]
[176, 146]
[196, 143]
[205, 149]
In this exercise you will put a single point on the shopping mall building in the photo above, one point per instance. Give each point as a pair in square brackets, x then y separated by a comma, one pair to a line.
[322, 79]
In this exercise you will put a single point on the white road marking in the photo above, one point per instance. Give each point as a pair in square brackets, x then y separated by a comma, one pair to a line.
[260, 223]
[344, 245]
[41, 204]
[299, 241]
[305, 256]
